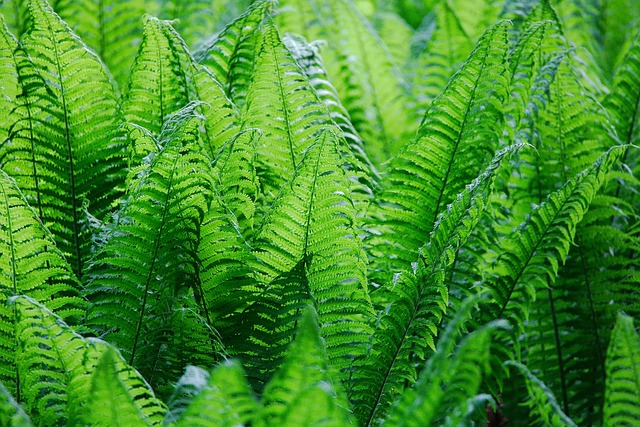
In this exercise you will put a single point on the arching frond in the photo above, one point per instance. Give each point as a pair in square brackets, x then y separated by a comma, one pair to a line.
[113, 399]
[30, 264]
[112, 28]
[450, 379]
[64, 150]
[230, 55]
[362, 70]
[140, 281]
[9, 76]
[454, 143]
[623, 375]
[417, 300]
[543, 406]
[447, 47]
[311, 225]
[531, 255]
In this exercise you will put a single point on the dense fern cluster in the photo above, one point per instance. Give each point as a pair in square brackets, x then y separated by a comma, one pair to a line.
[319, 212]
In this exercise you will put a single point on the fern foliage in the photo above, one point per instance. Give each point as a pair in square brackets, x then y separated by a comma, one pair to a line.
[319, 213]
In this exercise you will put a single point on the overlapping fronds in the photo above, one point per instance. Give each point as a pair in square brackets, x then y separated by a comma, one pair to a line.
[376, 105]
[230, 55]
[305, 391]
[63, 149]
[112, 28]
[118, 396]
[56, 363]
[311, 225]
[451, 378]
[543, 406]
[454, 144]
[137, 284]
[30, 264]
[225, 400]
[623, 375]
[530, 257]
[417, 300]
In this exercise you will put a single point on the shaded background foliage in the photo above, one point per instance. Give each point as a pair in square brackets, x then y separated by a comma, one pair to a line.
[411, 212]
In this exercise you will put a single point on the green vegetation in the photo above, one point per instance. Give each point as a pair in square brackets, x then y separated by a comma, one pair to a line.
[319, 213]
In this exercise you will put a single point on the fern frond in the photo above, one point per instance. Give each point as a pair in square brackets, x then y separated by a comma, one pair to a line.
[56, 364]
[531, 255]
[65, 150]
[111, 401]
[140, 280]
[8, 76]
[313, 221]
[192, 382]
[370, 85]
[11, 413]
[308, 57]
[225, 400]
[458, 136]
[111, 28]
[543, 406]
[447, 48]
[230, 55]
[417, 301]
[623, 375]
[305, 377]
[31, 265]
[451, 377]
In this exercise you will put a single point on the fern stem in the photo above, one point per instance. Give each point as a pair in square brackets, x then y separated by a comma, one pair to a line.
[556, 335]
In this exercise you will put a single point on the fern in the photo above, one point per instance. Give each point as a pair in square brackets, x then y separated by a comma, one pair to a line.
[137, 287]
[230, 54]
[441, 161]
[543, 405]
[64, 135]
[623, 375]
[303, 391]
[418, 299]
[225, 400]
[311, 226]
[29, 264]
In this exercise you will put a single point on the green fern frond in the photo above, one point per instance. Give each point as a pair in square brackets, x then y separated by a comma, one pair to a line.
[17, 15]
[192, 382]
[543, 405]
[531, 255]
[29, 264]
[11, 413]
[140, 280]
[149, 102]
[224, 401]
[111, 401]
[238, 183]
[308, 57]
[64, 148]
[623, 375]
[312, 225]
[458, 136]
[230, 55]
[447, 48]
[304, 390]
[9, 76]
[417, 301]
[370, 85]
[451, 378]
[111, 28]
[396, 35]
